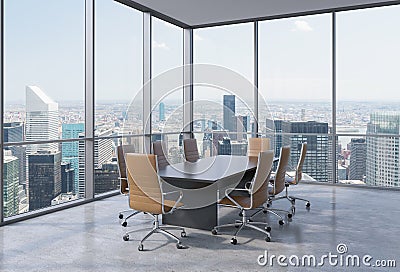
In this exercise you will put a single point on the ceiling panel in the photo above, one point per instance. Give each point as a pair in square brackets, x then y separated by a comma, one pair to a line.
[200, 13]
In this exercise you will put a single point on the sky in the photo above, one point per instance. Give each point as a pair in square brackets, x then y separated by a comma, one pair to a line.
[44, 46]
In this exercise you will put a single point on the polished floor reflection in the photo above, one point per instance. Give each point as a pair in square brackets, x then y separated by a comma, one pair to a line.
[89, 237]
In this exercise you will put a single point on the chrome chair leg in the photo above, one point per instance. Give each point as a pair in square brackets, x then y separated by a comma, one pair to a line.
[245, 222]
[159, 229]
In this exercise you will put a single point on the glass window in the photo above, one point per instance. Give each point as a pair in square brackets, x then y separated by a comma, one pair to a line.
[367, 95]
[295, 84]
[43, 99]
[167, 73]
[118, 82]
[223, 90]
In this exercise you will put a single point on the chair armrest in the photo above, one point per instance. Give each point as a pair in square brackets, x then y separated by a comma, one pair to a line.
[230, 190]
[176, 201]
[291, 176]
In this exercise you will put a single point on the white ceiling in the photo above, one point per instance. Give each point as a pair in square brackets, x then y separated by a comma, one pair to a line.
[200, 13]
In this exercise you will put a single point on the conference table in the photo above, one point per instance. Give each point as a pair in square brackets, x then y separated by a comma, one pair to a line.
[202, 183]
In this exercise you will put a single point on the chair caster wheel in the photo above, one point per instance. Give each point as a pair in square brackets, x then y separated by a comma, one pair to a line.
[281, 222]
[125, 237]
[183, 234]
[290, 215]
[267, 239]
[120, 216]
[240, 214]
[265, 211]
[268, 229]
[214, 232]
[140, 247]
[124, 224]
[179, 246]
[308, 204]
[237, 226]
[233, 241]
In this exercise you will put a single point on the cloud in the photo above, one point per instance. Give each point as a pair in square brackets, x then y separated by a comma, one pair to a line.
[302, 26]
[161, 45]
[197, 37]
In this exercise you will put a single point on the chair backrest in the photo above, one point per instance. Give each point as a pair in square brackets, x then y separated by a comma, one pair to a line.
[257, 145]
[279, 182]
[144, 186]
[264, 165]
[158, 149]
[259, 185]
[121, 151]
[299, 168]
[190, 150]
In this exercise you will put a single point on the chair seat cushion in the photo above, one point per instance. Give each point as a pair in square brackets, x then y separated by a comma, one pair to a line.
[243, 201]
[152, 206]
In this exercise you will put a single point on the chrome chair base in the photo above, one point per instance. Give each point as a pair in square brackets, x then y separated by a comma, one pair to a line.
[121, 216]
[292, 200]
[245, 222]
[158, 229]
[275, 212]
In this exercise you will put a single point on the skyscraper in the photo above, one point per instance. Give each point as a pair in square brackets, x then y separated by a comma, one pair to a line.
[41, 120]
[317, 161]
[67, 177]
[383, 153]
[229, 113]
[274, 132]
[44, 178]
[161, 113]
[358, 159]
[14, 132]
[70, 150]
[11, 183]
[106, 178]
[103, 152]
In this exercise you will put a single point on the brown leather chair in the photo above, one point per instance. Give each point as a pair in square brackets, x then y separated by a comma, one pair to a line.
[190, 150]
[158, 149]
[146, 195]
[294, 177]
[257, 195]
[256, 145]
[121, 150]
[277, 182]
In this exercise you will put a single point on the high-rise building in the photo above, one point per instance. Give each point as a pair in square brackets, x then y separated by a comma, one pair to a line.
[103, 152]
[67, 177]
[235, 148]
[242, 127]
[229, 113]
[318, 161]
[274, 132]
[41, 120]
[224, 146]
[106, 177]
[14, 132]
[44, 178]
[161, 113]
[358, 159]
[383, 153]
[10, 184]
[70, 150]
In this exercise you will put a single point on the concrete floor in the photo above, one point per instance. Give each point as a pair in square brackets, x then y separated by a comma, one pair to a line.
[89, 237]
